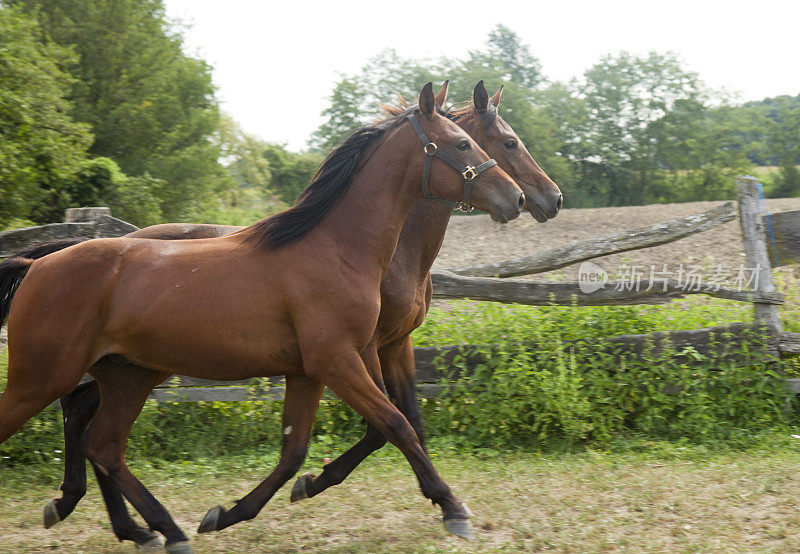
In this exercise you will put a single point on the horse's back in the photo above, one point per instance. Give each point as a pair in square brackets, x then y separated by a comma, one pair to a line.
[183, 231]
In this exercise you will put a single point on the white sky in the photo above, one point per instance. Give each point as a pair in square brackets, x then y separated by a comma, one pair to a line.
[275, 62]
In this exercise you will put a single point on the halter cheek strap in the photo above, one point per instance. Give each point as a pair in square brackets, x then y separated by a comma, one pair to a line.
[470, 173]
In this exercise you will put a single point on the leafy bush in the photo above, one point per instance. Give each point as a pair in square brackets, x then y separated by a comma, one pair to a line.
[100, 182]
[532, 399]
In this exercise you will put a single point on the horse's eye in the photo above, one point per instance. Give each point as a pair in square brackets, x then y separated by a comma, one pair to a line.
[463, 145]
[510, 144]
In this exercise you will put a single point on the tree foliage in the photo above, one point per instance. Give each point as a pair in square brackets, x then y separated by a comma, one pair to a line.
[100, 182]
[631, 130]
[39, 144]
[151, 108]
[291, 172]
[99, 104]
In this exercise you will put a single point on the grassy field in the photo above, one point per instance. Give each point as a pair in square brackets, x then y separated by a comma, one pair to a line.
[652, 497]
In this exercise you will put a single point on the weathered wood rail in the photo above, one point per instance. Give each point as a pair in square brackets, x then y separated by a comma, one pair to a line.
[509, 291]
[490, 282]
[79, 223]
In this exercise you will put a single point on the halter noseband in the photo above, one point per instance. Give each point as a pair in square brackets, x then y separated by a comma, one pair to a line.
[470, 173]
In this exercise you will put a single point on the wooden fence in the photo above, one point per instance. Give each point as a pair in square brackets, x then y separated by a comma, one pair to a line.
[776, 238]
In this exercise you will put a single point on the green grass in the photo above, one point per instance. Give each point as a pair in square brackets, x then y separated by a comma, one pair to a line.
[639, 496]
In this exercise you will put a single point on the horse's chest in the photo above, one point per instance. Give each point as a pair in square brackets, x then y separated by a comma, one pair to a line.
[401, 313]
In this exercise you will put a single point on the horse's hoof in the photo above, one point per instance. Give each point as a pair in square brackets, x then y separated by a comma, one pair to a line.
[156, 544]
[460, 527]
[50, 514]
[210, 520]
[300, 490]
[180, 547]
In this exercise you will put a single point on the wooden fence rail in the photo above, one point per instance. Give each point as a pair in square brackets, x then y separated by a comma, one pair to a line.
[79, 223]
[509, 291]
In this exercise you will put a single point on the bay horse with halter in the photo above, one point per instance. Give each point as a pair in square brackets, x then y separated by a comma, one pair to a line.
[297, 294]
[400, 312]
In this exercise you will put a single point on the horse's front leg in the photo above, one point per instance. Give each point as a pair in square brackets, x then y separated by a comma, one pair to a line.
[299, 408]
[345, 373]
[395, 363]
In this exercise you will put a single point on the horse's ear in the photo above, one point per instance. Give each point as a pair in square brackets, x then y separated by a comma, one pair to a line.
[441, 96]
[427, 101]
[496, 97]
[480, 98]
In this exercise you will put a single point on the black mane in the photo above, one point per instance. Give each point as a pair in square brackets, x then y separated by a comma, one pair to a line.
[329, 184]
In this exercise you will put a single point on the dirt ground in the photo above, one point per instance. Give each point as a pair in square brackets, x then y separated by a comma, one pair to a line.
[743, 502]
[477, 239]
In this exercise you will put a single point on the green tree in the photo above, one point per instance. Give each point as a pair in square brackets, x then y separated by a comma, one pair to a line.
[504, 59]
[783, 140]
[342, 118]
[39, 144]
[151, 108]
[291, 172]
[100, 182]
[356, 99]
[624, 95]
[243, 156]
[699, 152]
[507, 59]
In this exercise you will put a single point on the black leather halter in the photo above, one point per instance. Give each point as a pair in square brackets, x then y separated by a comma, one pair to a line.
[470, 173]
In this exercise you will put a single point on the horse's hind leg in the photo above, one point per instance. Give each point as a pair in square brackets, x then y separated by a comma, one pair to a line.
[124, 526]
[299, 407]
[77, 409]
[123, 394]
[400, 374]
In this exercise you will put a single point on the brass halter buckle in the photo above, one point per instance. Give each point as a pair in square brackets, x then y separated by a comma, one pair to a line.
[469, 173]
[465, 207]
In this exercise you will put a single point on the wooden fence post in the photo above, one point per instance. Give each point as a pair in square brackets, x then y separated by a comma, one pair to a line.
[85, 215]
[755, 248]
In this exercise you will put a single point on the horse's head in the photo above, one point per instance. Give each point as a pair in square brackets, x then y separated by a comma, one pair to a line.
[543, 198]
[473, 178]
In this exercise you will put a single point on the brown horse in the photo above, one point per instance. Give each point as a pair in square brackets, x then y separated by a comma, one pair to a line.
[417, 240]
[297, 294]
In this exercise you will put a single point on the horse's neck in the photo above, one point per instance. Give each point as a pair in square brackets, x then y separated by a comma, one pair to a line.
[367, 221]
[422, 235]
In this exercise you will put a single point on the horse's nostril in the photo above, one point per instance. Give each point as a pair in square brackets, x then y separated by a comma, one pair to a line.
[521, 201]
[559, 202]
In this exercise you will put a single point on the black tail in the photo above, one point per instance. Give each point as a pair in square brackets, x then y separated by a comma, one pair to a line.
[11, 273]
